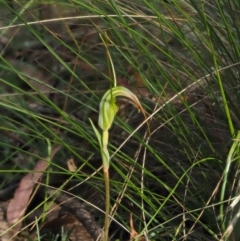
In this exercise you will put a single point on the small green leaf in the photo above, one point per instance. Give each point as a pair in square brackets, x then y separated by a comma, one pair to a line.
[103, 142]
[96, 133]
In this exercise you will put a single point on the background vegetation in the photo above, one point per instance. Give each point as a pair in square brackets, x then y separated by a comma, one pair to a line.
[181, 58]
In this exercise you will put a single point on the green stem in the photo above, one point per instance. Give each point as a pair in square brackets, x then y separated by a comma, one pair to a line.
[107, 204]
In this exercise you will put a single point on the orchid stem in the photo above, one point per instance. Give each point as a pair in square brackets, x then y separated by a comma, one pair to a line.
[107, 204]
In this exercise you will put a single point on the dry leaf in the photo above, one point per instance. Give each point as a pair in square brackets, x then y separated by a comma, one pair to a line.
[70, 225]
[134, 235]
[133, 232]
[19, 203]
[71, 165]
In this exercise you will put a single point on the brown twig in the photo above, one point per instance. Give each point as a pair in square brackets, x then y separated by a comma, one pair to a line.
[79, 210]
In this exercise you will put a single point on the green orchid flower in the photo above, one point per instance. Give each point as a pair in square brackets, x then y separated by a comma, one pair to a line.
[107, 112]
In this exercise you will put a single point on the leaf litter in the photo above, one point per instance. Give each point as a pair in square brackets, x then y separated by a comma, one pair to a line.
[19, 203]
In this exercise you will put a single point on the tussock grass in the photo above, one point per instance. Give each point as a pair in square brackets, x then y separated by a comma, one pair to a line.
[181, 58]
